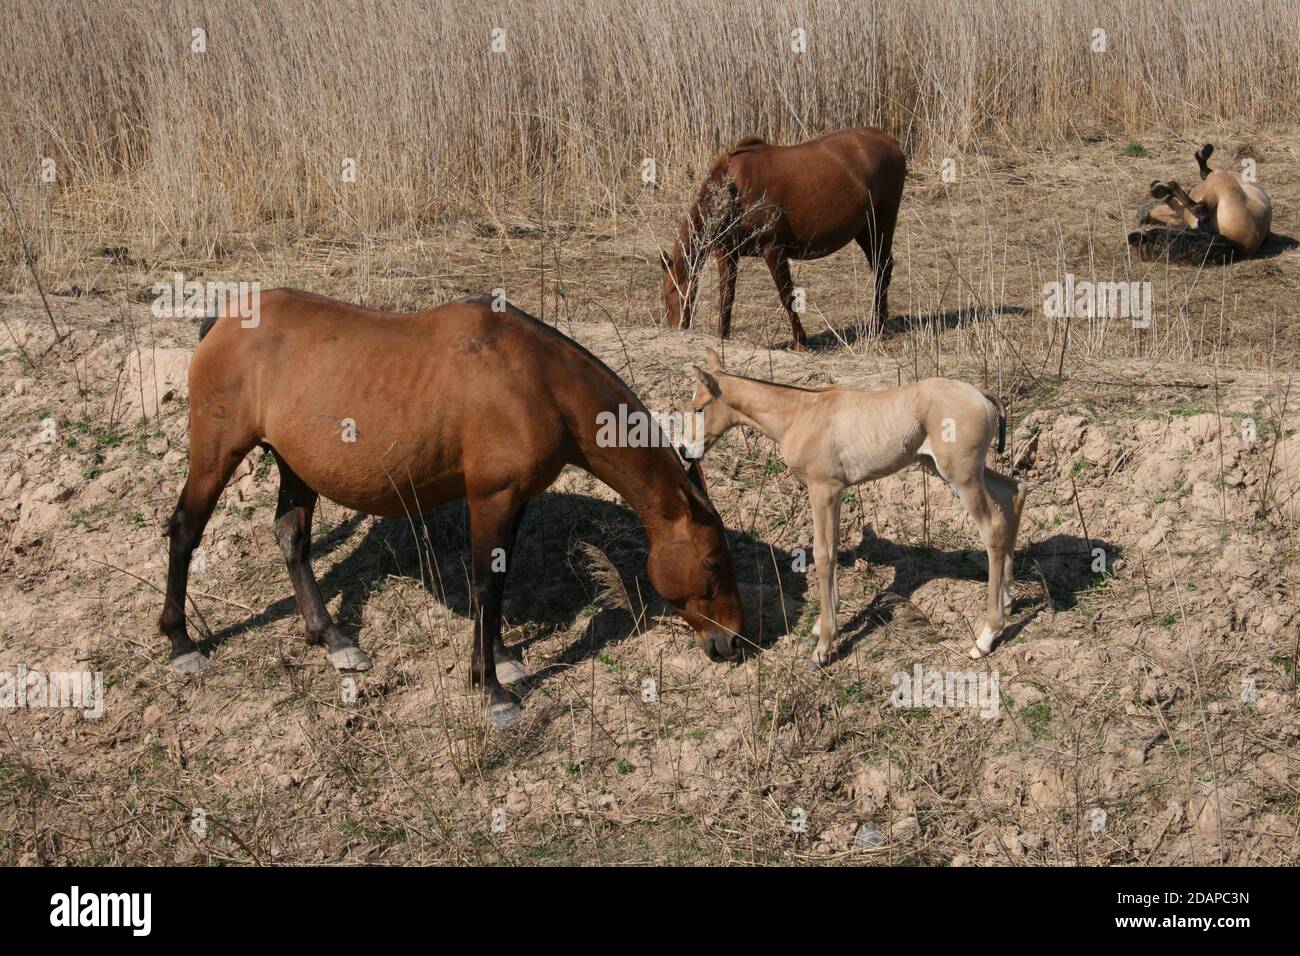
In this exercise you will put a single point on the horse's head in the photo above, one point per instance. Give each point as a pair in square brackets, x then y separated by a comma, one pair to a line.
[690, 566]
[708, 417]
[679, 287]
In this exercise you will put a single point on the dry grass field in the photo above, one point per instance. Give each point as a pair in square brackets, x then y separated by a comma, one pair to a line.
[1148, 708]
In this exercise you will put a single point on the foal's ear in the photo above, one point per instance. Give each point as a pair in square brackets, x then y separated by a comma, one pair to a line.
[708, 381]
[715, 363]
[664, 262]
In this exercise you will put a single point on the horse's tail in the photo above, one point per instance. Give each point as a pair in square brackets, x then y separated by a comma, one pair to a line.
[1002, 419]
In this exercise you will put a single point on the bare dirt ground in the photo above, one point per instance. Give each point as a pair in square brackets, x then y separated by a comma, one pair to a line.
[1158, 687]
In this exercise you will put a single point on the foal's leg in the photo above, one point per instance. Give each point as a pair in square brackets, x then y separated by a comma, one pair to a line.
[779, 265]
[492, 523]
[993, 532]
[213, 459]
[1009, 495]
[826, 500]
[728, 266]
[293, 533]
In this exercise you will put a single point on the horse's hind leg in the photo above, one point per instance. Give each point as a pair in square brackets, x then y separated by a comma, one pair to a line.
[212, 461]
[1202, 159]
[779, 265]
[993, 528]
[1009, 496]
[728, 266]
[877, 242]
[493, 523]
[293, 515]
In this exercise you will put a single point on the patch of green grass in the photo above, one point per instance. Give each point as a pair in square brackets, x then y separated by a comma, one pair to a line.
[1037, 718]
[1136, 149]
[86, 518]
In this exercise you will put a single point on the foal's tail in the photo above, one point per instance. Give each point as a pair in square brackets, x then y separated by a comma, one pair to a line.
[1002, 419]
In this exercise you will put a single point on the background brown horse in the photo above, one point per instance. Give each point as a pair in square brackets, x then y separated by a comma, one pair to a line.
[395, 414]
[789, 202]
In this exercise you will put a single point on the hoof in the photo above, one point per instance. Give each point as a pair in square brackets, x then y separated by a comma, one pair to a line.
[191, 663]
[511, 671]
[350, 658]
[984, 646]
[501, 716]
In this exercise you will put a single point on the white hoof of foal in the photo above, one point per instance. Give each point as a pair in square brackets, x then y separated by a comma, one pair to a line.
[350, 658]
[984, 645]
[511, 671]
[191, 663]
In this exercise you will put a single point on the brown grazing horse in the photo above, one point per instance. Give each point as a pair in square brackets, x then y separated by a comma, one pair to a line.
[788, 202]
[394, 414]
[1222, 219]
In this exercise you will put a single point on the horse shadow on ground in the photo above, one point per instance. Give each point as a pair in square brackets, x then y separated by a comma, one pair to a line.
[1193, 248]
[1062, 565]
[552, 580]
[831, 338]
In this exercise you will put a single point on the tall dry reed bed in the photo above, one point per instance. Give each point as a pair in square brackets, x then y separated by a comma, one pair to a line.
[149, 137]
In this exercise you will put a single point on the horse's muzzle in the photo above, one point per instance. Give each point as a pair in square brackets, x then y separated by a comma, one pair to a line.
[720, 646]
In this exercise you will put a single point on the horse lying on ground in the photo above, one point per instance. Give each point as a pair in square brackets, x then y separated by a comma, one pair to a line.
[1224, 218]
[395, 414]
[788, 202]
[832, 438]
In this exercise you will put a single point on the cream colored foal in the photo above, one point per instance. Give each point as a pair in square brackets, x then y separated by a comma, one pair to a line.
[833, 438]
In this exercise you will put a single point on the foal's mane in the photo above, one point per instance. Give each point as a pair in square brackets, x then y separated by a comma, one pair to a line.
[761, 381]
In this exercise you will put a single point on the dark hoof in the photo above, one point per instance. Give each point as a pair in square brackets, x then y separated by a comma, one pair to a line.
[350, 658]
[191, 664]
[502, 715]
[511, 670]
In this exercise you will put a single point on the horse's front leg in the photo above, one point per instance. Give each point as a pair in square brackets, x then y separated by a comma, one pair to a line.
[493, 524]
[779, 265]
[826, 501]
[728, 267]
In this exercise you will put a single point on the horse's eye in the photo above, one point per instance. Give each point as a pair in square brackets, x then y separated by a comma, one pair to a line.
[712, 565]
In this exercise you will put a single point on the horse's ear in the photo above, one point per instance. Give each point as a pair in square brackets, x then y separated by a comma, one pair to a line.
[664, 261]
[708, 381]
[695, 472]
[715, 363]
